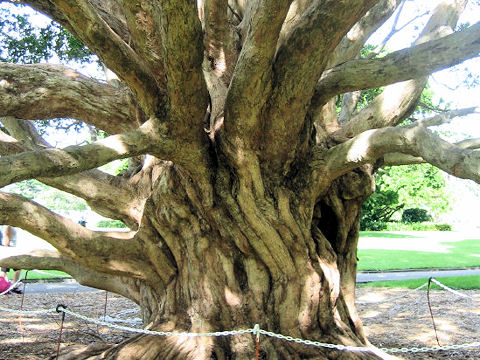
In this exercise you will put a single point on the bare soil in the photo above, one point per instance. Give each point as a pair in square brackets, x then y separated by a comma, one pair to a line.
[399, 323]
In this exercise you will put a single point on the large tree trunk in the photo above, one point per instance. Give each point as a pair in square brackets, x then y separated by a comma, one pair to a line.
[256, 223]
[250, 261]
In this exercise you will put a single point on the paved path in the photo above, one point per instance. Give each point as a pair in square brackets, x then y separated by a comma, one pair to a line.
[72, 286]
[402, 275]
[55, 287]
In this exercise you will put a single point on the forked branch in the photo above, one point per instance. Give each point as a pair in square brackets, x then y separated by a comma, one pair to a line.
[401, 65]
[82, 16]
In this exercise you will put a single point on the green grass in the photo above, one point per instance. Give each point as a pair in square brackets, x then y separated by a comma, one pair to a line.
[460, 254]
[32, 275]
[457, 283]
[380, 234]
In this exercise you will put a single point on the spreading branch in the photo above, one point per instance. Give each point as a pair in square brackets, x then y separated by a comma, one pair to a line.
[399, 100]
[415, 140]
[94, 186]
[53, 260]
[252, 79]
[87, 24]
[74, 159]
[298, 65]
[114, 253]
[396, 159]
[143, 21]
[446, 117]
[44, 91]
[401, 65]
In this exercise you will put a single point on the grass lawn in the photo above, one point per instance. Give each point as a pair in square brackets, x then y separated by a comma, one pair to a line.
[393, 256]
[44, 275]
[458, 283]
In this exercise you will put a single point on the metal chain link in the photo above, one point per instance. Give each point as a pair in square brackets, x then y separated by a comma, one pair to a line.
[156, 333]
[450, 290]
[256, 331]
[392, 298]
[27, 312]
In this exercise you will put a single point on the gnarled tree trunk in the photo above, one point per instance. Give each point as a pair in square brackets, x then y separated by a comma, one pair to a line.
[244, 189]
[246, 261]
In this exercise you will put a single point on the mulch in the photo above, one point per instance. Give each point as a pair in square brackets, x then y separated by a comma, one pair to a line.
[404, 322]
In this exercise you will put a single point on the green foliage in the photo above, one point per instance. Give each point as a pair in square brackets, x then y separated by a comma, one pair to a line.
[28, 39]
[414, 186]
[399, 226]
[49, 197]
[379, 209]
[418, 186]
[415, 215]
[111, 224]
[23, 42]
[443, 227]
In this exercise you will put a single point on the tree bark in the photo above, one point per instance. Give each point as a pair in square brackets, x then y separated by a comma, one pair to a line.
[251, 261]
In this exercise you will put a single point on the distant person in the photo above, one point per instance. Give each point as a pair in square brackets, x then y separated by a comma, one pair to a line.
[10, 239]
[4, 283]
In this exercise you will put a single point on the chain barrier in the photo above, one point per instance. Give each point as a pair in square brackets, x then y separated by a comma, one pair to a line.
[256, 331]
[392, 298]
[445, 287]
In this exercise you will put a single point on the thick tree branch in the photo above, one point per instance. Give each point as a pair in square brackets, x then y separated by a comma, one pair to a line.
[143, 21]
[52, 260]
[298, 66]
[414, 140]
[446, 117]
[74, 159]
[9, 145]
[52, 91]
[395, 159]
[355, 39]
[399, 100]
[410, 63]
[324, 116]
[94, 32]
[220, 38]
[24, 132]
[114, 253]
[182, 60]
[94, 186]
[252, 80]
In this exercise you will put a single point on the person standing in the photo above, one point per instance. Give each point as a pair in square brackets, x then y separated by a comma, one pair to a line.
[10, 239]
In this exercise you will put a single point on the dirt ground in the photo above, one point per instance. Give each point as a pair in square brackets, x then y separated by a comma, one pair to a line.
[399, 323]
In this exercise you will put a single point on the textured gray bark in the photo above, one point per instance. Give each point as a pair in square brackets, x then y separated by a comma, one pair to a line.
[245, 196]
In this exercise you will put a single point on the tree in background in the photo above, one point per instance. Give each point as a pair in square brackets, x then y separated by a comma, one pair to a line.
[245, 189]
[403, 187]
